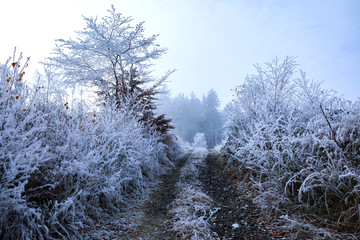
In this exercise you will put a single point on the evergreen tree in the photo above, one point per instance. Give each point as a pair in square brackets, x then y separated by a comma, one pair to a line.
[212, 118]
[191, 116]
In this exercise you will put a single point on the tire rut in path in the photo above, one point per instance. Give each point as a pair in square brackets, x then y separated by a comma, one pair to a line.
[152, 226]
[236, 216]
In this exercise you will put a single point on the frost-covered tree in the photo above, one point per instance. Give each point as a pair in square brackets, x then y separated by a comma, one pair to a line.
[49, 80]
[212, 119]
[186, 114]
[199, 141]
[114, 57]
[191, 115]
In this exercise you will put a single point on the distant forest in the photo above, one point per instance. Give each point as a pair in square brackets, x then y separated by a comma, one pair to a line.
[190, 115]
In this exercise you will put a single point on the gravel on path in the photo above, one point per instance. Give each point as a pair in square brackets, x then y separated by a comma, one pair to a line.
[237, 216]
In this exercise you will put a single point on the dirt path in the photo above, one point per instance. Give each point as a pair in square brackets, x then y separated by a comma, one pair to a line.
[236, 217]
[155, 210]
[182, 206]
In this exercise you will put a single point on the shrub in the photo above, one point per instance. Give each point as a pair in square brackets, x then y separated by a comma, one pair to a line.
[299, 142]
[61, 167]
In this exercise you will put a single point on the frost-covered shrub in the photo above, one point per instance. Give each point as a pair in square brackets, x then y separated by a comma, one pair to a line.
[61, 168]
[298, 142]
[101, 161]
[21, 151]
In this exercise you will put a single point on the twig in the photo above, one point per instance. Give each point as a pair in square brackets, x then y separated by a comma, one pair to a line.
[333, 133]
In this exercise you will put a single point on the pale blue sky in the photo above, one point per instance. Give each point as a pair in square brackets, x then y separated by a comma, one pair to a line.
[212, 43]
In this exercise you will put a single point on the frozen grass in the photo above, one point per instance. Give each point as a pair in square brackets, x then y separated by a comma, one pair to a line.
[303, 229]
[192, 208]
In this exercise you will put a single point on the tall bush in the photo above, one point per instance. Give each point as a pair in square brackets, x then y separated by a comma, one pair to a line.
[298, 142]
[62, 168]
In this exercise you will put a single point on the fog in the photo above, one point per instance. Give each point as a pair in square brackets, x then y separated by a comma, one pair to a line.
[190, 115]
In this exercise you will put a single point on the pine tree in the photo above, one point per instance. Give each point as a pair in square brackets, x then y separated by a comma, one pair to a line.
[212, 118]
